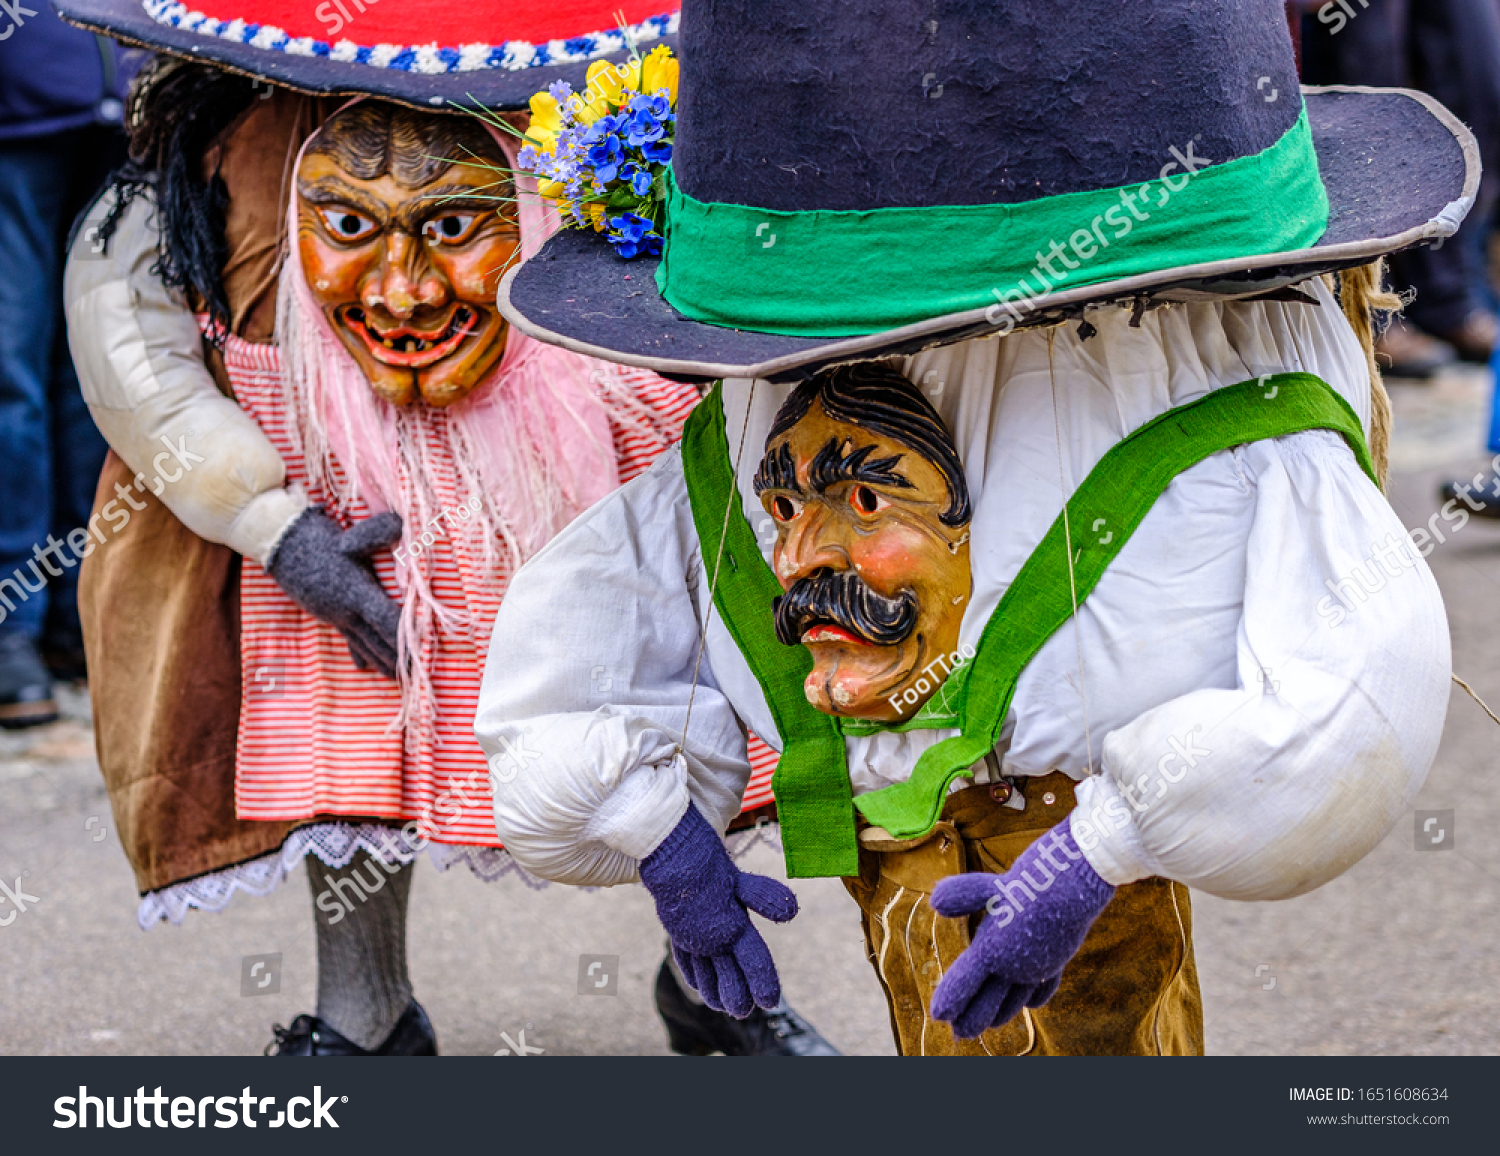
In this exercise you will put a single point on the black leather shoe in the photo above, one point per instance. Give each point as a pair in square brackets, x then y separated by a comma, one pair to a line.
[310, 1036]
[695, 1029]
[1479, 495]
[25, 687]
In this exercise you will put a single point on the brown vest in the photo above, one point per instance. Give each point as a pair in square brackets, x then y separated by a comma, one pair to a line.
[160, 605]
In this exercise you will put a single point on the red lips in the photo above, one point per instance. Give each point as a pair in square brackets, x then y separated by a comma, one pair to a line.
[824, 632]
[410, 348]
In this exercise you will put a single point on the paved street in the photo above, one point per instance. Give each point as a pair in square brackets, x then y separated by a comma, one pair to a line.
[1401, 955]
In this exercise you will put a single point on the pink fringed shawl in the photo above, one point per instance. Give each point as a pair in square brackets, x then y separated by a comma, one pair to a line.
[531, 444]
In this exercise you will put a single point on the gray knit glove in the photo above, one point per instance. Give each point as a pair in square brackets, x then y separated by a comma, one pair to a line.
[326, 571]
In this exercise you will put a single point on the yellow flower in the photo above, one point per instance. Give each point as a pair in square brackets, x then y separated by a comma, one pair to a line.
[659, 70]
[546, 122]
[545, 114]
[552, 190]
[604, 83]
[596, 215]
[586, 113]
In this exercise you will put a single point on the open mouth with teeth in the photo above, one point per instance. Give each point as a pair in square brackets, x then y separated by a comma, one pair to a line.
[407, 346]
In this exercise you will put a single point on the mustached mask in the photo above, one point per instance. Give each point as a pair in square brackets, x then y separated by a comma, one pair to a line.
[867, 493]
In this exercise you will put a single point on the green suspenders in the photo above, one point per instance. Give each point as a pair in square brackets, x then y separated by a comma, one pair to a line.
[814, 801]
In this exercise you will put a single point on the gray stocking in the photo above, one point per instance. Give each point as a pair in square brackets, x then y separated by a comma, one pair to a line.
[360, 912]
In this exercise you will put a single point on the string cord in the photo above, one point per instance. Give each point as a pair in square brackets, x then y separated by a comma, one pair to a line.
[1083, 689]
[713, 584]
[1469, 690]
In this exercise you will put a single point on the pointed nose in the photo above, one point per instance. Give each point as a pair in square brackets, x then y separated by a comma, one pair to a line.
[404, 279]
[812, 544]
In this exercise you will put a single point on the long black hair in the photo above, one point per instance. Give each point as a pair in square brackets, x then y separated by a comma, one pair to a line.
[177, 109]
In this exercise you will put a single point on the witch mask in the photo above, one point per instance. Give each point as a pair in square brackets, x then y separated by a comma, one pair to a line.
[867, 493]
[403, 235]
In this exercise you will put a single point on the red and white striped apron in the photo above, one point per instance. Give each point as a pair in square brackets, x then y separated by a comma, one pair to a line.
[316, 735]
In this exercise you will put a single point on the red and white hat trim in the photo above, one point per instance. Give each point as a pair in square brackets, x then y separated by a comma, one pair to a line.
[272, 34]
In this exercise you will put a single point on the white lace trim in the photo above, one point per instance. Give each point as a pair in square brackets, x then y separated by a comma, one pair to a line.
[336, 844]
[741, 843]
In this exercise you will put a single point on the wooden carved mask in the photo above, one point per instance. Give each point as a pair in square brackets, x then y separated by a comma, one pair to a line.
[403, 245]
[865, 487]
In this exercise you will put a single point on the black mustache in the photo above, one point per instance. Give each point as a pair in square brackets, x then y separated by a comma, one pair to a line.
[843, 599]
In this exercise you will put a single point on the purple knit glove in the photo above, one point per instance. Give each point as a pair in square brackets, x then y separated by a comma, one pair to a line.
[1038, 915]
[701, 899]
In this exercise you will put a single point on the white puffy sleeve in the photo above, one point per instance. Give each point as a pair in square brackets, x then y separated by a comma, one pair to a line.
[586, 691]
[139, 358]
[1276, 787]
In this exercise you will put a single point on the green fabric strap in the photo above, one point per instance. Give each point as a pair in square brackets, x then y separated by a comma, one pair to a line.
[812, 781]
[1098, 519]
[815, 804]
[835, 273]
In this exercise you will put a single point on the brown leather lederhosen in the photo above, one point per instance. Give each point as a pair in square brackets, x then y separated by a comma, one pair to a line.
[1132, 989]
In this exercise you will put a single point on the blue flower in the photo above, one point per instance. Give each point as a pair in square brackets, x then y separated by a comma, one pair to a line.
[637, 178]
[643, 129]
[607, 156]
[560, 90]
[657, 152]
[631, 235]
[604, 126]
[658, 106]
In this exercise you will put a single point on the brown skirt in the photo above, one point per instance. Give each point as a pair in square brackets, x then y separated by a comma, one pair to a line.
[161, 627]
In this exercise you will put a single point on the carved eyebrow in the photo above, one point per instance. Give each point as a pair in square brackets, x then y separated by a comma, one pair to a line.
[454, 203]
[332, 191]
[831, 467]
[453, 193]
[777, 471]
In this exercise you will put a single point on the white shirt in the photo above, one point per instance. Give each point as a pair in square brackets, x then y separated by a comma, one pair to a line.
[139, 357]
[1212, 633]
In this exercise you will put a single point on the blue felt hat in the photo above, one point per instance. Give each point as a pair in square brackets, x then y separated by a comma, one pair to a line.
[851, 180]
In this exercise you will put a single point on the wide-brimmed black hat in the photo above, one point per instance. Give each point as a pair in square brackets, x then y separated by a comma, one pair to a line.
[424, 53]
[851, 180]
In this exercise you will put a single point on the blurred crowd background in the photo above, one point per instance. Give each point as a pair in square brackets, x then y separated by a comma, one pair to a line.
[62, 103]
[1449, 49]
